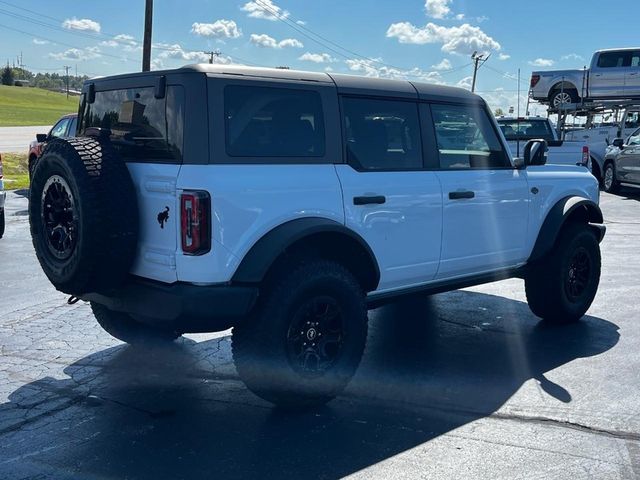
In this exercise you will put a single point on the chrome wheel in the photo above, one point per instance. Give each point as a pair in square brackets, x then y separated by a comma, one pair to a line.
[608, 177]
[59, 219]
[562, 98]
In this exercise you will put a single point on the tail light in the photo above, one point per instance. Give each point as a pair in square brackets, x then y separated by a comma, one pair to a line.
[195, 222]
[534, 80]
[585, 156]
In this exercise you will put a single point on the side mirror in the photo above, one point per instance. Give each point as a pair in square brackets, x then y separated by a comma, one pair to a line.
[618, 142]
[41, 137]
[519, 163]
[535, 152]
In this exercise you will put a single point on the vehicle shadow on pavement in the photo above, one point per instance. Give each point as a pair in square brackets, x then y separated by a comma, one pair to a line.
[431, 365]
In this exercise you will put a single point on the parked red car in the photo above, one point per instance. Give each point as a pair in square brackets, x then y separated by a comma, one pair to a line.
[64, 128]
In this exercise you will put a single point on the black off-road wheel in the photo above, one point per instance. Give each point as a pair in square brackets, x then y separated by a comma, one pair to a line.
[83, 215]
[561, 287]
[126, 328]
[610, 183]
[305, 341]
[2, 222]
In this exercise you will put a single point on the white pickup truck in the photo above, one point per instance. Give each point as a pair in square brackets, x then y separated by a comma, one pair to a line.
[598, 138]
[518, 131]
[613, 74]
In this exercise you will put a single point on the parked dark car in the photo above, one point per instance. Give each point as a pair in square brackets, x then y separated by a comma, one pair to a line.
[622, 163]
[64, 128]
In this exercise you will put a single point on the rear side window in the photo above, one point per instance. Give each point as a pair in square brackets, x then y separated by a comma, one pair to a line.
[382, 134]
[614, 59]
[273, 122]
[140, 126]
[526, 129]
[466, 138]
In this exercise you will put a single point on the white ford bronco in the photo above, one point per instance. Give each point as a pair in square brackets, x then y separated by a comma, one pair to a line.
[286, 204]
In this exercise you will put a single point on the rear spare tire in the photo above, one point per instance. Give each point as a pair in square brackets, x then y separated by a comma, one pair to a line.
[83, 215]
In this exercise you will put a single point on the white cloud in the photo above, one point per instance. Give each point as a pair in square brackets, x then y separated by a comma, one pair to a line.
[127, 42]
[445, 64]
[264, 9]
[76, 54]
[459, 16]
[572, 56]
[176, 52]
[464, 39]
[264, 40]
[301, 22]
[317, 57]
[503, 57]
[81, 24]
[542, 62]
[37, 41]
[218, 29]
[371, 68]
[465, 83]
[437, 8]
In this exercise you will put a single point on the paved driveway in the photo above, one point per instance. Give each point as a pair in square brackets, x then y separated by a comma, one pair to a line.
[462, 385]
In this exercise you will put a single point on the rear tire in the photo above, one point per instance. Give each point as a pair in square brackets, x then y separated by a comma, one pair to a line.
[2, 224]
[561, 287]
[125, 328]
[609, 181]
[305, 341]
[558, 98]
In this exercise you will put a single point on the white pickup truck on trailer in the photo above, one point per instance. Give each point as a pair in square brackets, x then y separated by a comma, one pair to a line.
[518, 131]
[598, 138]
[613, 74]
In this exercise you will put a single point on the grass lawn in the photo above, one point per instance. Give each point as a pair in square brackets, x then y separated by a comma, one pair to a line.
[16, 171]
[23, 106]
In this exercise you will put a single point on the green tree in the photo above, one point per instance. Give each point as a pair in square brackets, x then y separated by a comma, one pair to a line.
[498, 112]
[7, 76]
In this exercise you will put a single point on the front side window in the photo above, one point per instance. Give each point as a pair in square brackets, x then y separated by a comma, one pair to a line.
[632, 120]
[635, 59]
[382, 134]
[613, 60]
[60, 128]
[634, 139]
[466, 138]
[273, 122]
[140, 126]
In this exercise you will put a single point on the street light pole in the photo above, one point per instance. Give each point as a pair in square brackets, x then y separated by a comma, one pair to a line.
[146, 47]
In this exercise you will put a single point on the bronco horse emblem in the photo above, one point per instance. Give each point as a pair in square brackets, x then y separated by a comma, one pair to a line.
[163, 217]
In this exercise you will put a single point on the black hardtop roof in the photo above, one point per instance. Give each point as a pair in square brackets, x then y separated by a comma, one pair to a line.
[345, 83]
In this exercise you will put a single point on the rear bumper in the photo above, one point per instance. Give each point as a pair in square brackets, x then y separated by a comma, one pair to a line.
[182, 307]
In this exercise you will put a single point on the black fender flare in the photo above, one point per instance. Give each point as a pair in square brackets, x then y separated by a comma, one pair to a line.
[558, 215]
[256, 263]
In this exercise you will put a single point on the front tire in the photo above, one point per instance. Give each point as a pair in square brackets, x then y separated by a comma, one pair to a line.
[561, 287]
[2, 222]
[305, 341]
[609, 180]
[125, 328]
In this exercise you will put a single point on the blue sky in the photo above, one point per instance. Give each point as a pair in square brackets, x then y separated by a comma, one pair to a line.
[429, 40]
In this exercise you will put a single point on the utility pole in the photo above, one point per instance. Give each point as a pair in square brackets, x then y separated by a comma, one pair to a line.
[66, 68]
[215, 53]
[146, 47]
[478, 61]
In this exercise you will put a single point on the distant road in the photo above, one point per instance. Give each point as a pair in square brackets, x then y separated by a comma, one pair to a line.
[16, 139]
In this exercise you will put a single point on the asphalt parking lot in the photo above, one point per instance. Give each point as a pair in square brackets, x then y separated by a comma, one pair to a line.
[467, 384]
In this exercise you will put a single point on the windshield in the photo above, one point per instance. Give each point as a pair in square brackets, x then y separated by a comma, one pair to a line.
[526, 129]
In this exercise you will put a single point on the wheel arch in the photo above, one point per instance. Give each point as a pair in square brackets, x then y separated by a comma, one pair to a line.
[569, 209]
[559, 85]
[320, 236]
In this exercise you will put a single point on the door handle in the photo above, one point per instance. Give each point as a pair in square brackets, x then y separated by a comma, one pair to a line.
[369, 200]
[461, 194]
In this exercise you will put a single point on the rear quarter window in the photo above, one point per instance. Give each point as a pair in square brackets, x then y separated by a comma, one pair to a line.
[140, 126]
